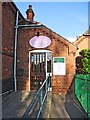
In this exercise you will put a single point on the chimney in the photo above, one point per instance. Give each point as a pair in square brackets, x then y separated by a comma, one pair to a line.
[30, 13]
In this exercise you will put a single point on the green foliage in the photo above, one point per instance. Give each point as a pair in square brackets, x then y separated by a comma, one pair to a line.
[85, 53]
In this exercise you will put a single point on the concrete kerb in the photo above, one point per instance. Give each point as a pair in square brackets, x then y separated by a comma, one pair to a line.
[77, 103]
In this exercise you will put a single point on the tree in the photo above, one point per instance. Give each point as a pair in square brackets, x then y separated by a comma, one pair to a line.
[85, 54]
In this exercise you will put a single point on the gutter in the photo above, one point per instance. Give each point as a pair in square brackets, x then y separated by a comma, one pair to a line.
[30, 26]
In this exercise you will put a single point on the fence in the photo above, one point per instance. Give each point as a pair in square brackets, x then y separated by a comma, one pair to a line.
[82, 91]
[34, 109]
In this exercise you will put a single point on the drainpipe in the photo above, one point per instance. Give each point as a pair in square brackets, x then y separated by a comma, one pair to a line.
[15, 54]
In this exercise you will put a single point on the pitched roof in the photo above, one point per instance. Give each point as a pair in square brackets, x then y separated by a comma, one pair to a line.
[87, 33]
[27, 22]
[79, 39]
[14, 5]
[67, 42]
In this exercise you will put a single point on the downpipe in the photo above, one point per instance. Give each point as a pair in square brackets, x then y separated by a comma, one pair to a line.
[15, 53]
[15, 47]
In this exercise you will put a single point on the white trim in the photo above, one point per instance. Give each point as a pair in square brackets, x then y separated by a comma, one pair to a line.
[51, 66]
[50, 88]
[38, 51]
[46, 64]
[29, 71]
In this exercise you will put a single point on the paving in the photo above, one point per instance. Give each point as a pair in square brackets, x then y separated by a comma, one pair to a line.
[15, 104]
[57, 109]
[64, 106]
[58, 106]
[74, 108]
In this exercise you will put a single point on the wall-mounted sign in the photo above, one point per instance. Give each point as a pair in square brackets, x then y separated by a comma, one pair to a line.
[59, 66]
[40, 42]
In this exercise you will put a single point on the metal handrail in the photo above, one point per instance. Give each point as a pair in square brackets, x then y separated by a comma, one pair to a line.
[41, 99]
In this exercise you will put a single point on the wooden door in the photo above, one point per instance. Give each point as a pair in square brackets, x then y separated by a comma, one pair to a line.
[37, 70]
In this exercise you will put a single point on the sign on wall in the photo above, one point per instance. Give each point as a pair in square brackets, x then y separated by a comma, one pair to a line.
[59, 66]
[40, 41]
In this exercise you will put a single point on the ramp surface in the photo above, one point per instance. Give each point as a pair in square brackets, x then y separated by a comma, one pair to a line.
[15, 104]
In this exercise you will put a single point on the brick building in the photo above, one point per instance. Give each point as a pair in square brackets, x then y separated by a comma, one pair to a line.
[83, 42]
[8, 35]
[39, 52]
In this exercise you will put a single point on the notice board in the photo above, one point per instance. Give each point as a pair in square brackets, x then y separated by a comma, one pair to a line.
[59, 66]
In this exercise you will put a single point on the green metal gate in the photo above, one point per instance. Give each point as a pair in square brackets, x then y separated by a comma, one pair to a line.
[82, 91]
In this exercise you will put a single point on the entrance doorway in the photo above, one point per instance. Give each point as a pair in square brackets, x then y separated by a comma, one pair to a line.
[40, 66]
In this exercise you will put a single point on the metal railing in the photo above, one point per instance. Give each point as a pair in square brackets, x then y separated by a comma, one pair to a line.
[82, 91]
[34, 109]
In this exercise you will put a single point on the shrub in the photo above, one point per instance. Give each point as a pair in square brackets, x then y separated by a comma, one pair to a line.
[85, 54]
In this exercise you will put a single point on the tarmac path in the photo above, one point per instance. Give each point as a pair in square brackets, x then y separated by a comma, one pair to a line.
[58, 106]
[57, 109]
[15, 104]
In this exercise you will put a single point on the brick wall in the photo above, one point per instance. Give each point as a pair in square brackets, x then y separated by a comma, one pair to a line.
[8, 32]
[8, 35]
[59, 48]
[82, 43]
[8, 23]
